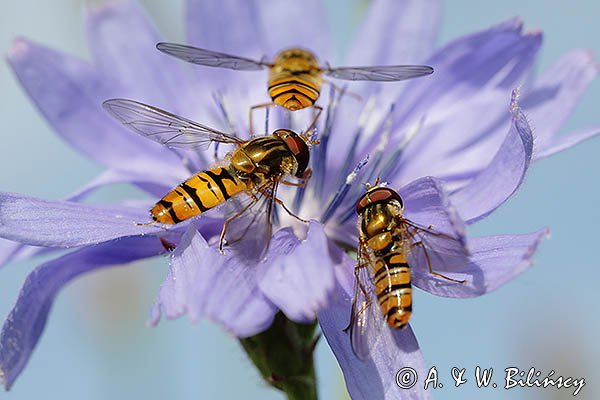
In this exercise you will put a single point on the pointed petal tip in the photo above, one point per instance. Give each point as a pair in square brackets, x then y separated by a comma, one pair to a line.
[512, 24]
[588, 57]
[516, 25]
[154, 317]
[19, 48]
[544, 233]
[526, 259]
[535, 33]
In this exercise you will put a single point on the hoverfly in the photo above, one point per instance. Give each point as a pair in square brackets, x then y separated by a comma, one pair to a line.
[255, 168]
[295, 76]
[389, 246]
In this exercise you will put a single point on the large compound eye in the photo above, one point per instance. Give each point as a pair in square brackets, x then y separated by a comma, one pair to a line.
[298, 147]
[385, 194]
[378, 195]
[362, 203]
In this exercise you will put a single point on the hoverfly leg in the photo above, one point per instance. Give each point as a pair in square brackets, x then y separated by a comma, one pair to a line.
[431, 271]
[255, 107]
[303, 179]
[296, 184]
[228, 221]
[315, 118]
[306, 175]
[282, 204]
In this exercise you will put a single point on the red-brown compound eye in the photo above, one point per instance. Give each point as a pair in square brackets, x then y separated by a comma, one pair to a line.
[362, 203]
[298, 147]
[377, 195]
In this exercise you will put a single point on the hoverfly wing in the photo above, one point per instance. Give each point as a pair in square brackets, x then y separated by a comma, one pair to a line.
[250, 229]
[429, 250]
[165, 128]
[383, 74]
[210, 58]
[367, 324]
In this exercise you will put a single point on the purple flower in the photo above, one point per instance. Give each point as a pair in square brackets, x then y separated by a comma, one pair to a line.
[463, 125]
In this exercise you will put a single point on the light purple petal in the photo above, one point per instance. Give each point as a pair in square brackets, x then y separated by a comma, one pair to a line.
[111, 177]
[564, 142]
[26, 321]
[494, 261]
[204, 283]
[231, 27]
[465, 148]
[66, 224]
[293, 23]
[472, 73]
[123, 43]
[14, 251]
[498, 58]
[374, 378]
[300, 280]
[502, 177]
[552, 98]
[396, 32]
[228, 26]
[69, 92]
[426, 203]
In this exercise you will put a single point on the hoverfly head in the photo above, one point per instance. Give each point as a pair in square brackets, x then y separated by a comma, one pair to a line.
[298, 146]
[378, 194]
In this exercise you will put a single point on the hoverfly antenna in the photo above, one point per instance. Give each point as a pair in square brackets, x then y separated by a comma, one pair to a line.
[310, 137]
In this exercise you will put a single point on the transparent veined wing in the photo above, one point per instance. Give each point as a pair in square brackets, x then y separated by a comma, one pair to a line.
[383, 73]
[210, 58]
[165, 128]
[249, 231]
[429, 251]
[367, 323]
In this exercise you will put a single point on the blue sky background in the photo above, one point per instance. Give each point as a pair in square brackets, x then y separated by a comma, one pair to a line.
[97, 346]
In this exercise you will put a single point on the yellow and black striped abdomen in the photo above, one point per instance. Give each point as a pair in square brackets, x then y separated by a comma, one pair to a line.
[393, 288]
[198, 194]
[295, 92]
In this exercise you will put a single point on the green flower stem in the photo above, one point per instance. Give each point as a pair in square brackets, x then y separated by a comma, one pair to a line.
[284, 356]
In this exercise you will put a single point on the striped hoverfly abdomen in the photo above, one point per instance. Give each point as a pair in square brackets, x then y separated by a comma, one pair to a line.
[198, 194]
[295, 79]
[384, 239]
[253, 172]
[391, 248]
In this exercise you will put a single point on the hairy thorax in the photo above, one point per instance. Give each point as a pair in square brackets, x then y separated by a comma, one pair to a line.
[264, 159]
